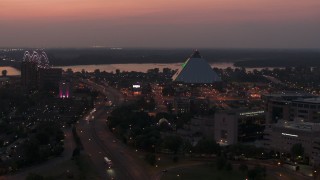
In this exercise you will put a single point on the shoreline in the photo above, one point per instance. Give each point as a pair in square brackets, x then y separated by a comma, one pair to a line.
[136, 67]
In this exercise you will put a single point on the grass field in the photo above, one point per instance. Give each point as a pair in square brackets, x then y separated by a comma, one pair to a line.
[210, 172]
[203, 172]
[85, 168]
[80, 168]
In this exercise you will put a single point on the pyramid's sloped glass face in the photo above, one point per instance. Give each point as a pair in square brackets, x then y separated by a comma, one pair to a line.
[185, 63]
[196, 70]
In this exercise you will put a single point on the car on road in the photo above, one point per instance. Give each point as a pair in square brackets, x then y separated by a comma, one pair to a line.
[108, 162]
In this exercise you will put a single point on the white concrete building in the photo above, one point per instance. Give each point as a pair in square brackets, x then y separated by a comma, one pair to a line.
[284, 134]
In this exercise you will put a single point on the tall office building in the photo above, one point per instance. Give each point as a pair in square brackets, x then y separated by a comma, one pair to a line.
[29, 74]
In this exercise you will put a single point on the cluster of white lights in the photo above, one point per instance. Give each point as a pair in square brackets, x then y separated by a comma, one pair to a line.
[251, 113]
[39, 57]
[292, 135]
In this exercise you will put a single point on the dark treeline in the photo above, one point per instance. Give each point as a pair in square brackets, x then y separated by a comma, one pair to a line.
[242, 57]
[297, 61]
[109, 56]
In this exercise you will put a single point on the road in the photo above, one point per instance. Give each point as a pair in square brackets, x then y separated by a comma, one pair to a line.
[99, 142]
[273, 79]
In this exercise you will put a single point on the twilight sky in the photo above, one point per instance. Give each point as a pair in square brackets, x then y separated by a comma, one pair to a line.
[160, 23]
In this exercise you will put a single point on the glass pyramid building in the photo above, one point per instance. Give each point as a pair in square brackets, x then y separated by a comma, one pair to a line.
[196, 70]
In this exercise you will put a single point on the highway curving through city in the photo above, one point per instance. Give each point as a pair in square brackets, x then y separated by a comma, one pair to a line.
[99, 142]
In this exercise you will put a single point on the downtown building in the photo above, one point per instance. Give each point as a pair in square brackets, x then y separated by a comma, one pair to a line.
[293, 118]
[29, 74]
[226, 127]
[193, 74]
[290, 105]
[284, 134]
[238, 126]
[194, 105]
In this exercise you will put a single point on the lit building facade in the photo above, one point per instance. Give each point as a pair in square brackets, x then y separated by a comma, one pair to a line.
[293, 118]
[280, 106]
[282, 135]
[136, 89]
[233, 126]
[307, 110]
[181, 105]
[64, 90]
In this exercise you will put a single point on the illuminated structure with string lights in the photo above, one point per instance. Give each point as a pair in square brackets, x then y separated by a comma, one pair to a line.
[36, 72]
[39, 58]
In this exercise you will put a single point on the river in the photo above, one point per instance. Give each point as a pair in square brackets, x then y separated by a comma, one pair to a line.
[124, 67]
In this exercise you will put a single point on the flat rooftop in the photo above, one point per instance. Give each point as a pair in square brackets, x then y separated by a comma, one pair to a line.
[315, 100]
[301, 126]
[288, 94]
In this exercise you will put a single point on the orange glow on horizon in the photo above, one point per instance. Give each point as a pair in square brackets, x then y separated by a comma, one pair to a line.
[159, 11]
[160, 23]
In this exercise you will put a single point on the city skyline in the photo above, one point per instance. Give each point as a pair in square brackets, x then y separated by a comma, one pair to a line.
[159, 90]
[157, 24]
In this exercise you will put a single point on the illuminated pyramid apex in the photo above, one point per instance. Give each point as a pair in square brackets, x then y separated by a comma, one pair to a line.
[196, 70]
[196, 54]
